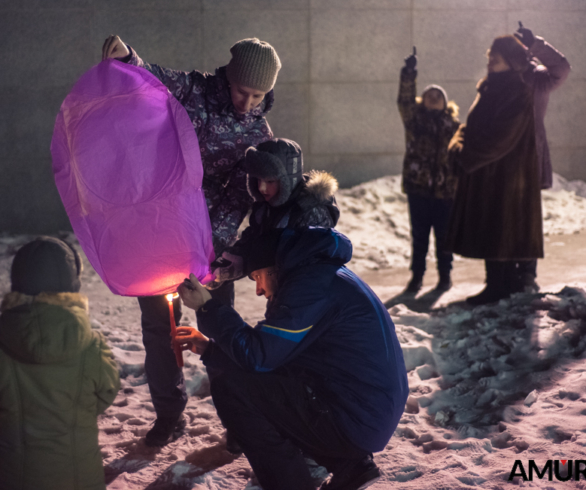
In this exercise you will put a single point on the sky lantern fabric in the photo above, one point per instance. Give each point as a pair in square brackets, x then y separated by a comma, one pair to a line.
[128, 168]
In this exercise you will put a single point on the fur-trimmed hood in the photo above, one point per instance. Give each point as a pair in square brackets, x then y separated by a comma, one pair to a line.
[319, 188]
[46, 328]
[452, 109]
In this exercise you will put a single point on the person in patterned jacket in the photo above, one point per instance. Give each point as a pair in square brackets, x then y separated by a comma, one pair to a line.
[429, 179]
[284, 197]
[228, 110]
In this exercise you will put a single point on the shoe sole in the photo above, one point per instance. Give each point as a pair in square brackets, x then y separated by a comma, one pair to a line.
[376, 476]
[367, 484]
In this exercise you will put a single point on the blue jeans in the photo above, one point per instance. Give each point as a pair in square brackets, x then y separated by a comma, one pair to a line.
[427, 213]
[164, 377]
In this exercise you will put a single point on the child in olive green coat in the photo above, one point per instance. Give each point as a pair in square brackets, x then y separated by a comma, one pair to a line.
[56, 375]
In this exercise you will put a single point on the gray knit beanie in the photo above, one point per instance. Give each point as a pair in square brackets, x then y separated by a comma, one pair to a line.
[254, 64]
[47, 265]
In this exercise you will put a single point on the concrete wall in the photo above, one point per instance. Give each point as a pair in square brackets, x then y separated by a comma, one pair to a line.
[335, 94]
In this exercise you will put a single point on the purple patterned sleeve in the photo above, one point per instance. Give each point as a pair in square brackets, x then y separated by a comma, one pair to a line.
[183, 85]
[231, 210]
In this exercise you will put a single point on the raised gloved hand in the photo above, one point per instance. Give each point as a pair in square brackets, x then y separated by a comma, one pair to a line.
[114, 47]
[525, 36]
[411, 60]
[189, 338]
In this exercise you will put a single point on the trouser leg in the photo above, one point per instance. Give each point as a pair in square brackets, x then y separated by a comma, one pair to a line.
[419, 213]
[441, 216]
[275, 420]
[164, 377]
[500, 276]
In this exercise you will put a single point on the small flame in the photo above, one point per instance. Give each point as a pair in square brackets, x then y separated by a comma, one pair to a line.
[171, 297]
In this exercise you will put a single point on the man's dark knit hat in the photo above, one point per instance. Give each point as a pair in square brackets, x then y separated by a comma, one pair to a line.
[254, 64]
[46, 264]
[279, 159]
[261, 251]
[513, 52]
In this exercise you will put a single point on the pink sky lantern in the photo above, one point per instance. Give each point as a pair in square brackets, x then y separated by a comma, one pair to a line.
[128, 168]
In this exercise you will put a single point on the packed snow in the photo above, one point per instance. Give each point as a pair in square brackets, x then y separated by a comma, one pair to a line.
[488, 386]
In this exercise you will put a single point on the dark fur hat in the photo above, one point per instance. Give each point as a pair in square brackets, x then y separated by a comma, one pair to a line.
[513, 52]
[47, 265]
[279, 159]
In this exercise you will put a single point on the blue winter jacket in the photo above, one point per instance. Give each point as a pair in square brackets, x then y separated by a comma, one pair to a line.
[326, 325]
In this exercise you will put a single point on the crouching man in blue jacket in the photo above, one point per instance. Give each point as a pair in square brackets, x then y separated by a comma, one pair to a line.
[322, 376]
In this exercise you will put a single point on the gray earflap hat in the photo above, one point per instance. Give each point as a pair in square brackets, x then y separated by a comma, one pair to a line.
[279, 159]
[254, 64]
[47, 265]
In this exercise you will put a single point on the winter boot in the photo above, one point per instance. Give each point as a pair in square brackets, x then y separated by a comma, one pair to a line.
[526, 274]
[445, 281]
[528, 283]
[165, 430]
[497, 286]
[415, 283]
[354, 477]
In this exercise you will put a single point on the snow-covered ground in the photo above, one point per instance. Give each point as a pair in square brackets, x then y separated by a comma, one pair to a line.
[374, 215]
[488, 386]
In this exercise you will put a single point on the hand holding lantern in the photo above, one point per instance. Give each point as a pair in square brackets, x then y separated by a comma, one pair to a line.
[193, 294]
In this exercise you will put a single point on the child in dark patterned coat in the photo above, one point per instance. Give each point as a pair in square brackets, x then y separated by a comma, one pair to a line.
[429, 179]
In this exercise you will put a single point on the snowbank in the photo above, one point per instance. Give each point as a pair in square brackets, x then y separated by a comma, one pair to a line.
[375, 216]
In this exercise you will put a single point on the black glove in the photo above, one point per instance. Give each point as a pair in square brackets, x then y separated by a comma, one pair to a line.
[411, 60]
[525, 36]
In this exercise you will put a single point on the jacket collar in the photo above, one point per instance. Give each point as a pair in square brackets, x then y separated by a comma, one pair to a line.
[499, 80]
[15, 299]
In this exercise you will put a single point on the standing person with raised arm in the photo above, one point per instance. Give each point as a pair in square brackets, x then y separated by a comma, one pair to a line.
[429, 178]
[497, 209]
[228, 110]
[548, 69]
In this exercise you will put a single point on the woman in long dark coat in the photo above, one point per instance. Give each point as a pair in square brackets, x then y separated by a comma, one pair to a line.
[497, 209]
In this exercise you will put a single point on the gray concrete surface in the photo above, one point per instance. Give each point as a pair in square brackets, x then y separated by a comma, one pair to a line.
[335, 95]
